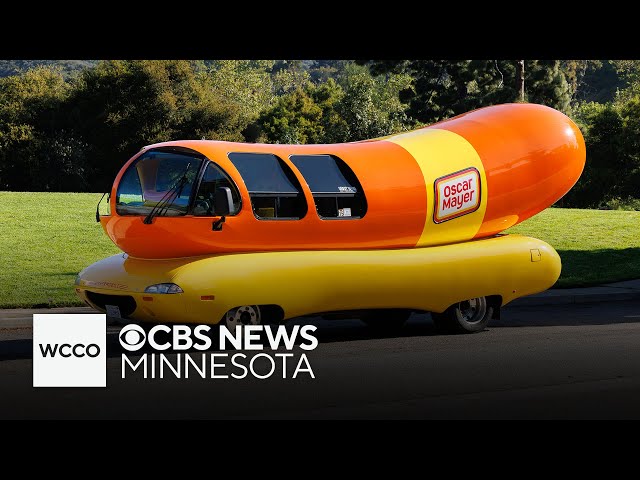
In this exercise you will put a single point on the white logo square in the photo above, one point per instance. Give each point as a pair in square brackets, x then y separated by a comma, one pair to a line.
[69, 350]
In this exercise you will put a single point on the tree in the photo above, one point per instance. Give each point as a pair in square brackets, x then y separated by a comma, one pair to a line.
[30, 133]
[244, 85]
[289, 75]
[295, 118]
[602, 128]
[612, 137]
[355, 107]
[629, 173]
[120, 106]
[546, 84]
[66, 67]
[371, 106]
[80, 131]
[520, 80]
[597, 80]
[577, 73]
[328, 96]
[444, 88]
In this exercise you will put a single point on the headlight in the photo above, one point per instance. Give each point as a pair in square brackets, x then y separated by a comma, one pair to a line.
[163, 288]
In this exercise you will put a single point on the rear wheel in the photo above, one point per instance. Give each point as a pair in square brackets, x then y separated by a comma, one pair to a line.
[468, 316]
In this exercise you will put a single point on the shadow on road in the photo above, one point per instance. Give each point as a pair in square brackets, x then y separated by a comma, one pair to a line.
[570, 315]
[327, 332]
[419, 325]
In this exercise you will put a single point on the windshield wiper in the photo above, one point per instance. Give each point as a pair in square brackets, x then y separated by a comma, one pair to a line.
[168, 198]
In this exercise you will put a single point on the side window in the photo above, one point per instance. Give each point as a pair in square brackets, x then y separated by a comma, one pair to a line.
[212, 179]
[273, 188]
[336, 190]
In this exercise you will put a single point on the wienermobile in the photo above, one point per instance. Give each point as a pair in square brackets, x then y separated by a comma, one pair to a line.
[236, 233]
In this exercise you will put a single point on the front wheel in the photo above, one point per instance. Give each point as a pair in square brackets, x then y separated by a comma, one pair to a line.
[245, 315]
[468, 316]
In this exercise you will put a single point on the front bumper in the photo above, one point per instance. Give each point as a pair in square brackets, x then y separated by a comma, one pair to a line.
[120, 281]
[137, 306]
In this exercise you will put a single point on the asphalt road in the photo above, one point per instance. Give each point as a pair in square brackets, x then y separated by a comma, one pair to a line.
[557, 362]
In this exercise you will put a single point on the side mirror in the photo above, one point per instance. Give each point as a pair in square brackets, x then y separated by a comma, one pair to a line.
[223, 201]
[223, 206]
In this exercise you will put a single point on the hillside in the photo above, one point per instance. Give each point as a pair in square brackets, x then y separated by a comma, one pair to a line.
[317, 68]
[13, 67]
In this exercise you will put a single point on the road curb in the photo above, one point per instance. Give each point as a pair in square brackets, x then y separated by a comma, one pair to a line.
[573, 298]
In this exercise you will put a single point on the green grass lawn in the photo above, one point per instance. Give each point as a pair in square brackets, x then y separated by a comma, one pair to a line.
[596, 246]
[47, 238]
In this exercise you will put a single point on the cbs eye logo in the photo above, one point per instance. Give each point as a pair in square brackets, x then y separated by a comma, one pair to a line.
[132, 337]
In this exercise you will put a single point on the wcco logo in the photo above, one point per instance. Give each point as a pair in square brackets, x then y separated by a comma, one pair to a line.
[69, 350]
[78, 350]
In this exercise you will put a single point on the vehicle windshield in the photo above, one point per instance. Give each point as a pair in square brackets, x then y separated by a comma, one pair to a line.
[156, 176]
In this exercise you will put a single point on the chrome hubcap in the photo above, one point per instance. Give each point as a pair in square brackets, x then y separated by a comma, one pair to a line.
[245, 315]
[472, 311]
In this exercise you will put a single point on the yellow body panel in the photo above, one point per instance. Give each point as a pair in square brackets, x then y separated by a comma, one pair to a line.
[439, 153]
[306, 282]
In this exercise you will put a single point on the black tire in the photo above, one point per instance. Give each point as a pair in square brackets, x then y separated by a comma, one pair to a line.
[386, 322]
[468, 316]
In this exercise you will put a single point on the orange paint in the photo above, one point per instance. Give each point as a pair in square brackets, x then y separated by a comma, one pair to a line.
[395, 215]
[531, 156]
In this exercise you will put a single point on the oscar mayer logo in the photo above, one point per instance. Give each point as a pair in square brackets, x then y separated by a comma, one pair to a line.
[456, 194]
